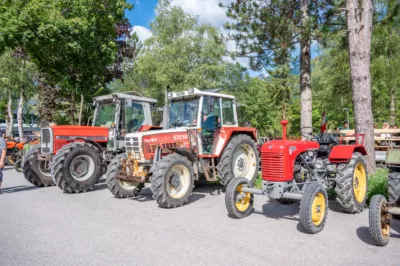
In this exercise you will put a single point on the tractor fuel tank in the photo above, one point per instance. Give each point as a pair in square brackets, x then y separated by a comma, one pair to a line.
[278, 157]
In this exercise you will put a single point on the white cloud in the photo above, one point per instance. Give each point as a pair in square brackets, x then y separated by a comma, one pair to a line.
[207, 10]
[142, 32]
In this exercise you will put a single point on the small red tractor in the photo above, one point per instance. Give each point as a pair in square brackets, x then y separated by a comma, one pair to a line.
[303, 170]
[200, 140]
[75, 157]
[381, 212]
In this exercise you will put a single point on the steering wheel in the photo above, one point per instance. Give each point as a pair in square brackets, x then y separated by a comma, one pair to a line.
[308, 136]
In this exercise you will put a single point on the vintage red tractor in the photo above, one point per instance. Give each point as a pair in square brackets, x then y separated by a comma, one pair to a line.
[304, 170]
[75, 157]
[200, 140]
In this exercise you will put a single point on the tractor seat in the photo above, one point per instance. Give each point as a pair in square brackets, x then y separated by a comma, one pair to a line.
[327, 139]
[210, 124]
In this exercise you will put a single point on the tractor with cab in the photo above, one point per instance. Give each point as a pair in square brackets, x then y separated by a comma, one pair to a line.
[201, 141]
[303, 170]
[382, 211]
[75, 157]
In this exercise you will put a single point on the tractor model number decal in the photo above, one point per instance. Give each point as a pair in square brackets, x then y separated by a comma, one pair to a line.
[166, 139]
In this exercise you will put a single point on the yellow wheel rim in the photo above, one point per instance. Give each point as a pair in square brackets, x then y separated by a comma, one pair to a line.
[385, 227]
[318, 209]
[243, 203]
[360, 183]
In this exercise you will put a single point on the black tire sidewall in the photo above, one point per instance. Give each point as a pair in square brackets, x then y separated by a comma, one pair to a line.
[98, 162]
[231, 195]
[306, 202]
[191, 181]
[234, 144]
[375, 220]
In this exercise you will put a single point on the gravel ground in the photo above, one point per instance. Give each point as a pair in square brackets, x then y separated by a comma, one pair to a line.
[43, 226]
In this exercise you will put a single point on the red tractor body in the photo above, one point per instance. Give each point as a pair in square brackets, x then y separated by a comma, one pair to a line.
[304, 170]
[278, 157]
[55, 137]
[200, 140]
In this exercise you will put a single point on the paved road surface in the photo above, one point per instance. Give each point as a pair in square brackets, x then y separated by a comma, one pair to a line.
[43, 226]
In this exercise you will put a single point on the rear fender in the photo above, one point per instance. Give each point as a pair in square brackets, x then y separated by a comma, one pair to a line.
[226, 133]
[343, 153]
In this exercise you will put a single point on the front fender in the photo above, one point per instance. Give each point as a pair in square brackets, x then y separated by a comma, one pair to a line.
[343, 153]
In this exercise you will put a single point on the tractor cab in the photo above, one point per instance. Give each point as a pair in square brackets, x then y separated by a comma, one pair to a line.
[122, 113]
[206, 112]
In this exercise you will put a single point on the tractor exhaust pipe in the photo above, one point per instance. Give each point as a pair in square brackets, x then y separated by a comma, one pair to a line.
[284, 124]
[166, 110]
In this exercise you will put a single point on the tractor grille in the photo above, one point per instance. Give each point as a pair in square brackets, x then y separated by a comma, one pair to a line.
[132, 144]
[46, 141]
[272, 165]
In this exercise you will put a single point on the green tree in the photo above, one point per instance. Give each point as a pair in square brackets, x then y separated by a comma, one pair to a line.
[181, 53]
[74, 44]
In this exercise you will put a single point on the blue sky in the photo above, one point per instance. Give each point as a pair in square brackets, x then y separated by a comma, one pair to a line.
[142, 13]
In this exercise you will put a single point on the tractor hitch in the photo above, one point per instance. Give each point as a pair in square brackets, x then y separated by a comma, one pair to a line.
[285, 195]
[131, 178]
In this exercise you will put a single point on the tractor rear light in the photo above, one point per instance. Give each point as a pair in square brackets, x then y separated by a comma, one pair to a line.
[169, 94]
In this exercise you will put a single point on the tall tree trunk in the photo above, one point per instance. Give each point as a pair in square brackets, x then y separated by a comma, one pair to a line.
[72, 108]
[359, 27]
[392, 106]
[305, 71]
[10, 116]
[19, 114]
[47, 103]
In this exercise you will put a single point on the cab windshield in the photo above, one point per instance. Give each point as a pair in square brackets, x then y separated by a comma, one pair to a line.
[106, 114]
[183, 113]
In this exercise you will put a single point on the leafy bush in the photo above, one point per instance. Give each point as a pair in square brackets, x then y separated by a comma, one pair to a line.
[258, 183]
[378, 184]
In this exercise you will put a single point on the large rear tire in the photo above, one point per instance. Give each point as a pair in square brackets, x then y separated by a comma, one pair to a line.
[394, 187]
[352, 184]
[77, 167]
[239, 159]
[35, 171]
[394, 190]
[379, 226]
[239, 204]
[119, 188]
[314, 208]
[172, 181]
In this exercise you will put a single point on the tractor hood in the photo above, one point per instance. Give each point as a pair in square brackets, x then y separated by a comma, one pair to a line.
[145, 143]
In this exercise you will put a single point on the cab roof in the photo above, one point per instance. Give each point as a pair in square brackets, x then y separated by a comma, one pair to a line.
[197, 92]
[134, 96]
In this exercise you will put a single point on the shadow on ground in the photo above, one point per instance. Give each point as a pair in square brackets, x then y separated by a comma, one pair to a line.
[197, 194]
[18, 189]
[365, 236]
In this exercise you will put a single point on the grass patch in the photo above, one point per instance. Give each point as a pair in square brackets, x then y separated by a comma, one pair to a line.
[378, 184]
[258, 183]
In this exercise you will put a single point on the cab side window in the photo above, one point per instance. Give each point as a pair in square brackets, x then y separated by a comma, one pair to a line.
[228, 112]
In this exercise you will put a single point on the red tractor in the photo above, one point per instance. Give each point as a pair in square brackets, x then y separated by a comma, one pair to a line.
[75, 157]
[201, 139]
[303, 170]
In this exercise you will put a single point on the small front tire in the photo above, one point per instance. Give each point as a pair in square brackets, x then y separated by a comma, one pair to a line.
[379, 226]
[314, 208]
[172, 181]
[119, 188]
[239, 204]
